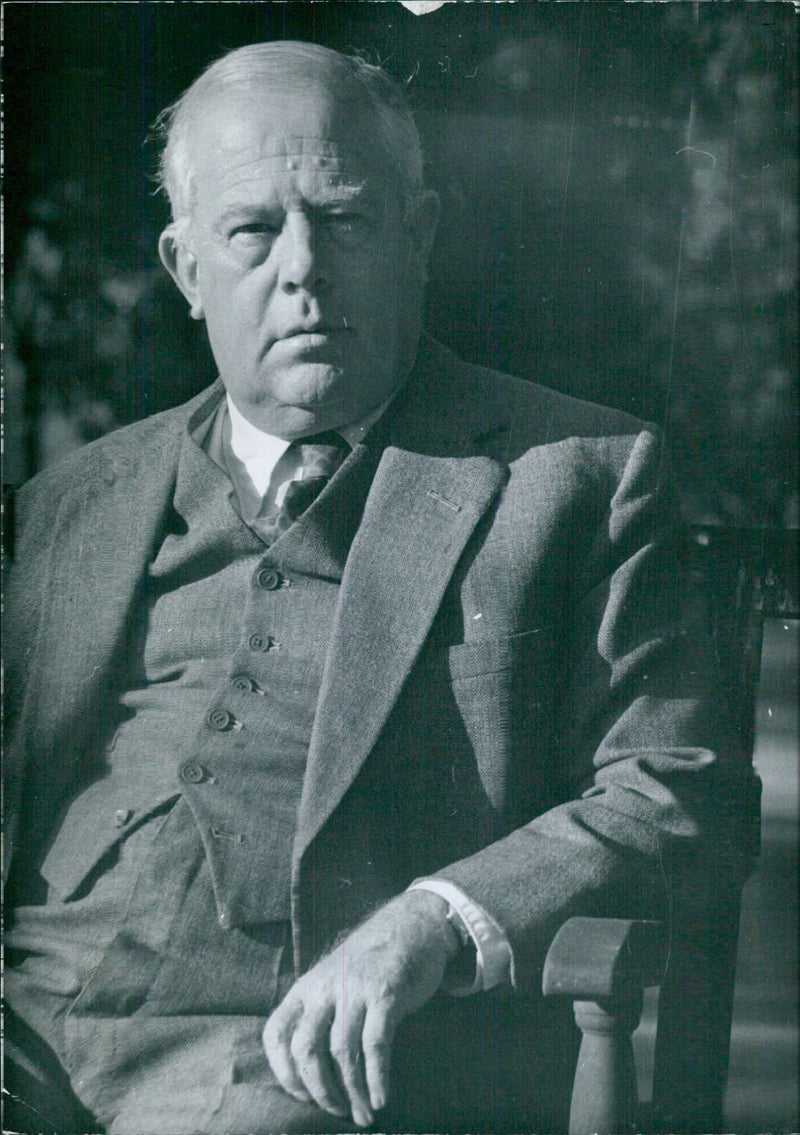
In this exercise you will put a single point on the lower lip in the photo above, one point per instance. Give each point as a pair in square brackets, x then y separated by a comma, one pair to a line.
[310, 338]
[309, 342]
[314, 338]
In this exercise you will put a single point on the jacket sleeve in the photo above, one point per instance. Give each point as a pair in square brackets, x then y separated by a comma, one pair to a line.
[24, 585]
[639, 736]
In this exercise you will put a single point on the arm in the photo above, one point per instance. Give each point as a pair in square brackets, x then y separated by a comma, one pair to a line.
[640, 736]
[633, 741]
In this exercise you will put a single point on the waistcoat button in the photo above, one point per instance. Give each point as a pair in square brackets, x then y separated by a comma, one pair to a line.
[260, 641]
[244, 684]
[219, 719]
[269, 579]
[192, 772]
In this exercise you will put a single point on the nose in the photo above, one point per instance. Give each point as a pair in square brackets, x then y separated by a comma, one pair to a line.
[299, 260]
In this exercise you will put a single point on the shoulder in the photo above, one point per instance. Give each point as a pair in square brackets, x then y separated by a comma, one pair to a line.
[570, 458]
[518, 415]
[136, 444]
[144, 449]
[546, 415]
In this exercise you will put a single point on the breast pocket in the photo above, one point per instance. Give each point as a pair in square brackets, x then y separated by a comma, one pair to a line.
[489, 705]
[94, 827]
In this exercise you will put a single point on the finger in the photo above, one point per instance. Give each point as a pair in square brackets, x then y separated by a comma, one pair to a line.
[346, 1037]
[310, 1048]
[377, 1047]
[276, 1038]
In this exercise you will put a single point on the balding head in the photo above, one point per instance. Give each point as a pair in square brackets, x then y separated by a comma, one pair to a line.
[301, 232]
[288, 67]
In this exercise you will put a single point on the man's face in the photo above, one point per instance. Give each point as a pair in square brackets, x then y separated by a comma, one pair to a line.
[299, 257]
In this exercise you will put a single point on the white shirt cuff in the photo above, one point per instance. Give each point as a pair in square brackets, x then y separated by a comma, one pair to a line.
[494, 957]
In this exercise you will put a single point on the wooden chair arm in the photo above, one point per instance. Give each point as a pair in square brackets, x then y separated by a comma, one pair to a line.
[603, 964]
[603, 957]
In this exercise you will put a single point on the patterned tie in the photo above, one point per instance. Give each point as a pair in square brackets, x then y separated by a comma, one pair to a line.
[319, 457]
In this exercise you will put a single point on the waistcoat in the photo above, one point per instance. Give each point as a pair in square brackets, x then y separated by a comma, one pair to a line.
[235, 644]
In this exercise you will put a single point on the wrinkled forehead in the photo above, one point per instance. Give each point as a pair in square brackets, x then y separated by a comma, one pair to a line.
[286, 129]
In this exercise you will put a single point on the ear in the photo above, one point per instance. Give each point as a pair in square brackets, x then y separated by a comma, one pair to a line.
[422, 217]
[180, 261]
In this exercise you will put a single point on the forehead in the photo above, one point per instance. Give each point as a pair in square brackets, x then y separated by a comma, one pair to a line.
[281, 135]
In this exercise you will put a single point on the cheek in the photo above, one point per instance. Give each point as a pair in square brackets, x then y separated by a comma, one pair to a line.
[376, 283]
[234, 299]
[393, 303]
[233, 320]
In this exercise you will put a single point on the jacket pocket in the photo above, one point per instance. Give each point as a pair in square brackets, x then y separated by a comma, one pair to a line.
[487, 709]
[483, 656]
[96, 822]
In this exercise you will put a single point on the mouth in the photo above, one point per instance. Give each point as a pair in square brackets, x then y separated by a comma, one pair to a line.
[316, 332]
[312, 341]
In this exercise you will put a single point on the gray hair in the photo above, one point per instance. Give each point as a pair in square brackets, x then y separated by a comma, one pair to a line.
[397, 133]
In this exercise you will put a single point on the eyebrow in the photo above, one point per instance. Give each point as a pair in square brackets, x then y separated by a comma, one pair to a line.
[343, 194]
[324, 198]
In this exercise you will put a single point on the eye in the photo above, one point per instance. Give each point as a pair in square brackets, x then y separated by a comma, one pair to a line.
[254, 232]
[347, 224]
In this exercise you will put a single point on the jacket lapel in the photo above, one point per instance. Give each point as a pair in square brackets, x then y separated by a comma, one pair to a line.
[420, 513]
[105, 531]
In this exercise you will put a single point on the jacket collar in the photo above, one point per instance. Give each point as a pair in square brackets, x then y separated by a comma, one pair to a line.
[448, 409]
[431, 488]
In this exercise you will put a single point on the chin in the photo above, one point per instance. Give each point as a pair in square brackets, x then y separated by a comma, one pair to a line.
[307, 384]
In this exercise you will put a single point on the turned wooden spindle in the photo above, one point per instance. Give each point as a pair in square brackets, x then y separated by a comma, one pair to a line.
[603, 964]
[604, 1098]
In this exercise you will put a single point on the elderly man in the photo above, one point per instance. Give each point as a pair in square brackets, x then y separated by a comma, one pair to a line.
[337, 689]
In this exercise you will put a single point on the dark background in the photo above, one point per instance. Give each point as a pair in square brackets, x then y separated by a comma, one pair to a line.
[620, 220]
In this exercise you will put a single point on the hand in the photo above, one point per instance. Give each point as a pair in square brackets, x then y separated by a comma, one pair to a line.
[330, 1039]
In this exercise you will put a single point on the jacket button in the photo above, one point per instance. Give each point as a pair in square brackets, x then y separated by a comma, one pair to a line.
[269, 579]
[192, 772]
[121, 816]
[262, 642]
[243, 684]
[219, 719]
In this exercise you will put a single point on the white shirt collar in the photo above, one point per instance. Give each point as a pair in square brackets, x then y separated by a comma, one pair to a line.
[260, 452]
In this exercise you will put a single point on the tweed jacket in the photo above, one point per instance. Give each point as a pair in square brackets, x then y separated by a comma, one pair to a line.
[507, 699]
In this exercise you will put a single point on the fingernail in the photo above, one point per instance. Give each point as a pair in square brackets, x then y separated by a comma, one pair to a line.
[362, 1117]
